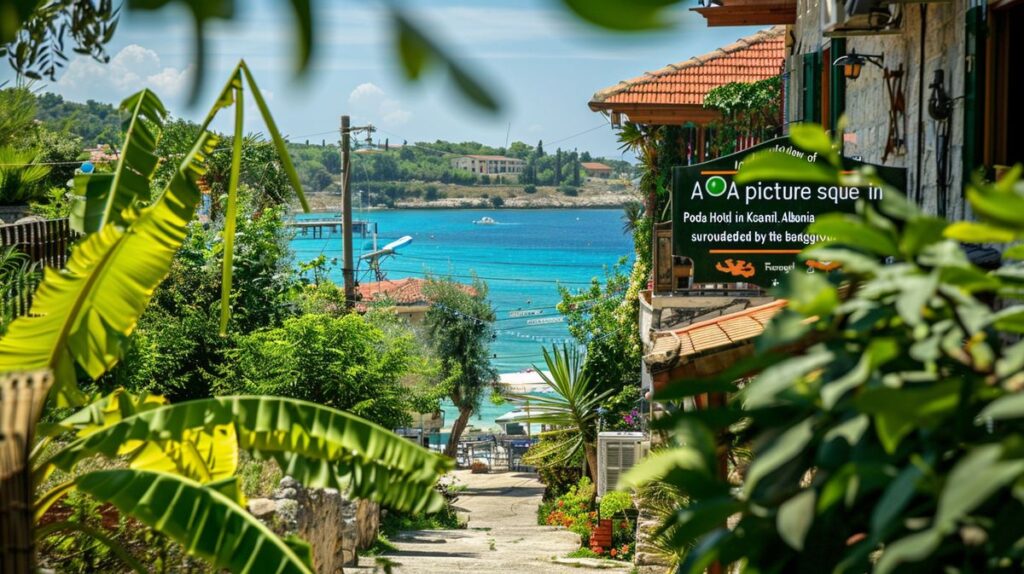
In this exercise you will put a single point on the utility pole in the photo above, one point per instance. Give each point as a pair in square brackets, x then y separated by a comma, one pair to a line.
[348, 271]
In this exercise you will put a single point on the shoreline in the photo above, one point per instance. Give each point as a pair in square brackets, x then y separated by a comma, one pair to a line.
[471, 203]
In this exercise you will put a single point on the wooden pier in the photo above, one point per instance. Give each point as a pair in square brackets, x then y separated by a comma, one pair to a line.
[320, 227]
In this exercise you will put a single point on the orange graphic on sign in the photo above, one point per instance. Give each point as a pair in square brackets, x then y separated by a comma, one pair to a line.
[822, 265]
[739, 268]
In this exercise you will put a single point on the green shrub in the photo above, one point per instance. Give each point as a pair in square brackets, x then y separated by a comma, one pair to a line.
[568, 190]
[497, 201]
[615, 502]
[530, 189]
[572, 510]
[342, 362]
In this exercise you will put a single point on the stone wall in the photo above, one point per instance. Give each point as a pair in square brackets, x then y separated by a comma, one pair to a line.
[336, 527]
[867, 102]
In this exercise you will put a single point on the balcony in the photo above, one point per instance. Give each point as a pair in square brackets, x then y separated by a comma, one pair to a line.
[748, 12]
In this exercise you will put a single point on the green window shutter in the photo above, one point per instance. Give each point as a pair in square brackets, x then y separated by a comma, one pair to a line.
[812, 87]
[974, 92]
[837, 84]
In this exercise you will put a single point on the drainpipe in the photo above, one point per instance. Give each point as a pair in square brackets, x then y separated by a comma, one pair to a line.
[919, 192]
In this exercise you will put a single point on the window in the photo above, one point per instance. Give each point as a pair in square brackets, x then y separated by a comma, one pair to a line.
[993, 118]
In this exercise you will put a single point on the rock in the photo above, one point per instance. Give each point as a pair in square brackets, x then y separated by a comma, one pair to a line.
[334, 526]
[262, 508]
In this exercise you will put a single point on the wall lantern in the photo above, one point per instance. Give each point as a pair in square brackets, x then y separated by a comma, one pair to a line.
[853, 63]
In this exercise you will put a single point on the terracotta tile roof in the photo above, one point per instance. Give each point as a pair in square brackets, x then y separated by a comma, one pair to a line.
[749, 59]
[712, 334]
[595, 165]
[408, 291]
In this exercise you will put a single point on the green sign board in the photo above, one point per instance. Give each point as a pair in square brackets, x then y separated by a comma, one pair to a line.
[752, 233]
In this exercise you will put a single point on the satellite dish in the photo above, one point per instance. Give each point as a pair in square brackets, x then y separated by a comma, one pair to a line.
[374, 257]
[401, 242]
[388, 249]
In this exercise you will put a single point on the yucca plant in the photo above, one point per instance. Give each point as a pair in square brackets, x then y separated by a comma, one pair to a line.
[571, 410]
[181, 458]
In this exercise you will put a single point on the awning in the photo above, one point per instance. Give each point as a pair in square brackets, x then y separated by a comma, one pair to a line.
[708, 347]
[524, 382]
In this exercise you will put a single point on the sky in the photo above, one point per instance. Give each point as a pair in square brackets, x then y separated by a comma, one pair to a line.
[541, 62]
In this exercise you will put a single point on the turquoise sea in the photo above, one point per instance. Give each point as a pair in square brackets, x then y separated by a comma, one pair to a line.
[522, 258]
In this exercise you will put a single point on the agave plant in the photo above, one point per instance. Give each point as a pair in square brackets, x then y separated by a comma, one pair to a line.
[571, 410]
[181, 458]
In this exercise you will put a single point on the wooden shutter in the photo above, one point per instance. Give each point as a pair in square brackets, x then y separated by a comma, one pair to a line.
[974, 92]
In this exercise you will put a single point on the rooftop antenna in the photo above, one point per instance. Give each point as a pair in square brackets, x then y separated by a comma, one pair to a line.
[374, 258]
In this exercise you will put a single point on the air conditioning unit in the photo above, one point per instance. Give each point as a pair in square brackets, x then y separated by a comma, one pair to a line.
[857, 17]
[618, 452]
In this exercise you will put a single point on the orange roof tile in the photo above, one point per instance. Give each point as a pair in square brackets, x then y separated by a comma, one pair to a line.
[712, 334]
[749, 59]
[408, 291]
[595, 165]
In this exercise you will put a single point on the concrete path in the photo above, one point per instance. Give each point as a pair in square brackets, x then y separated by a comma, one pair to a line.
[503, 535]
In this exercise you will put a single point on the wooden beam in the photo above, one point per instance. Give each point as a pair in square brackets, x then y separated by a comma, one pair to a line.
[659, 114]
[701, 367]
[764, 14]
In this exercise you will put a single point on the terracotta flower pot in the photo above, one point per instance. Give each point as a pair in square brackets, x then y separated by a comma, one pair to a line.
[601, 535]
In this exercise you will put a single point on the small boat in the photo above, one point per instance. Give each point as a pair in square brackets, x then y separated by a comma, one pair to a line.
[485, 221]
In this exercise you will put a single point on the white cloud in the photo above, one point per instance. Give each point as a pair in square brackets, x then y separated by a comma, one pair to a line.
[365, 93]
[130, 70]
[370, 100]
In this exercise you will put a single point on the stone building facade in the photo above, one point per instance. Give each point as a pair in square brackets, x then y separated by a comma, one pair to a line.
[966, 41]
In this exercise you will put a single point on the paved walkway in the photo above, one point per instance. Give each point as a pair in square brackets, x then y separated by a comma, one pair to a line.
[503, 535]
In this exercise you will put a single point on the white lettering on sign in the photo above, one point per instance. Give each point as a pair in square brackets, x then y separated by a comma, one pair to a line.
[527, 313]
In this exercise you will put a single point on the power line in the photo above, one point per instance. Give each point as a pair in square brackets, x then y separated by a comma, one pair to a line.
[485, 262]
[508, 279]
[579, 134]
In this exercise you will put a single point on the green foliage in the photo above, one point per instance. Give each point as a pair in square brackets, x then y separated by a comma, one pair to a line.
[459, 329]
[529, 189]
[33, 34]
[604, 319]
[17, 112]
[885, 421]
[748, 109]
[556, 478]
[17, 274]
[572, 510]
[105, 196]
[196, 515]
[56, 206]
[571, 410]
[22, 175]
[94, 122]
[342, 362]
[81, 316]
[614, 503]
[177, 351]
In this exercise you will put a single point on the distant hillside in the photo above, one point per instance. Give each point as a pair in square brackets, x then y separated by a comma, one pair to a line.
[386, 171]
[96, 123]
